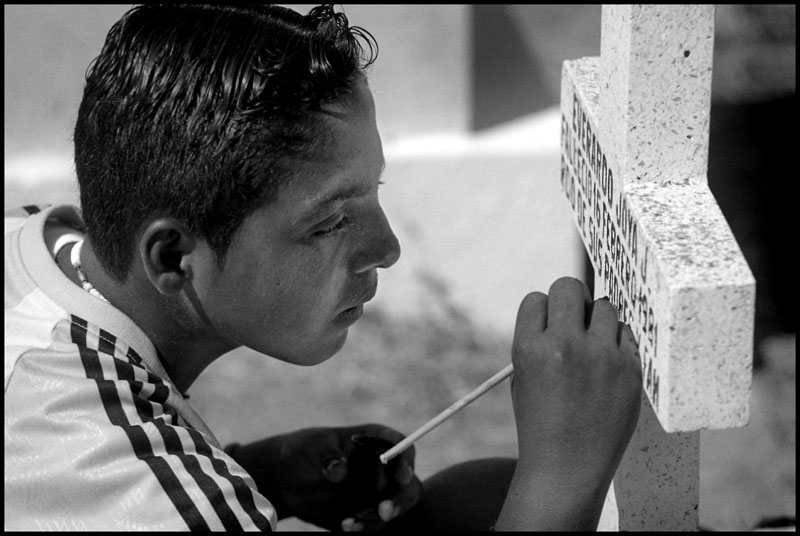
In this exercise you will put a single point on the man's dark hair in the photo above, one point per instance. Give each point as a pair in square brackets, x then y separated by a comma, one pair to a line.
[202, 112]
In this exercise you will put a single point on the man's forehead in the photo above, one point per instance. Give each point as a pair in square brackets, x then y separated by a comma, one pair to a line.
[349, 160]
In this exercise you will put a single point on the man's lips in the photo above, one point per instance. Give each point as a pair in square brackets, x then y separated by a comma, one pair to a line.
[365, 297]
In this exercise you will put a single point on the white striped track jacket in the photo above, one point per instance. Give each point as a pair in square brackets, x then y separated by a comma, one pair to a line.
[96, 435]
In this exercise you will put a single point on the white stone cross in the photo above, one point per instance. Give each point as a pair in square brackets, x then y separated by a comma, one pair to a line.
[635, 129]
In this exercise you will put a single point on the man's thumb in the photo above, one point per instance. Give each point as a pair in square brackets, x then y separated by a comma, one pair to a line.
[336, 469]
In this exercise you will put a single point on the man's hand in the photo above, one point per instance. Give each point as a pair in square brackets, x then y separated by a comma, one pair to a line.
[576, 392]
[327, 476]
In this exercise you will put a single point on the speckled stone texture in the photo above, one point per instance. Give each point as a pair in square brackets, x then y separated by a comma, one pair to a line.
[634, 138]
[657, 484]
[660, 246]
[655, 64]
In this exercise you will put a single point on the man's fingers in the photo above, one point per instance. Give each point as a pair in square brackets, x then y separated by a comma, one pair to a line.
[379, 431]
[405, 498]
[627, 340]
[566, 304]
[604, 320]
[386, 510]
[532, 314]
[404, 472]
[326, 453]
[402, 467]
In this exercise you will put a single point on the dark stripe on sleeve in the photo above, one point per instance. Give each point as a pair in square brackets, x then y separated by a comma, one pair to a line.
[174, 446]
[136, 435]
[133, 356]
[161, 392]
[244, 493]
[106, 343]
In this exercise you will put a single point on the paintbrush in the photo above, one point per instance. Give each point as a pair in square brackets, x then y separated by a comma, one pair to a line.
[446, 414]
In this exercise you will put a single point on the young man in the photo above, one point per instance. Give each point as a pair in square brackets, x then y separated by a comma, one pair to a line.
[229, 164]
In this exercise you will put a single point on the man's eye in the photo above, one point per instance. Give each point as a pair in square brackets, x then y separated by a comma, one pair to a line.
[331, 229]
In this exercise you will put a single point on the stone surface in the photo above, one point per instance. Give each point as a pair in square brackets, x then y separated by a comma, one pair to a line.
[635, 130]
[657, 484]
[658, 242]
[655, 75]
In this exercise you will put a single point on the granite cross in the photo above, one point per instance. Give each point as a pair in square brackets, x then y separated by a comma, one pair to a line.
[635, 130]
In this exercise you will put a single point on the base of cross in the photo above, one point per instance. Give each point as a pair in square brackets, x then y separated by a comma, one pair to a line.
[657, 485]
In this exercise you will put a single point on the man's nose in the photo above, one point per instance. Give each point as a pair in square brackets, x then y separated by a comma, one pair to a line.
[382, 248]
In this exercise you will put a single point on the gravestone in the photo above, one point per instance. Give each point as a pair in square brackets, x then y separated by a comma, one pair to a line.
[634, 160]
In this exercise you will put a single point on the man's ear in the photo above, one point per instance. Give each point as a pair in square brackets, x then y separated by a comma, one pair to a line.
[163, 248]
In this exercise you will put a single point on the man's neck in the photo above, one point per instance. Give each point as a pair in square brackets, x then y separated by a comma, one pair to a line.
[185, 341]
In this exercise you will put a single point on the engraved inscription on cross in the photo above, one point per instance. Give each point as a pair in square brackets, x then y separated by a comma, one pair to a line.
[634, 131]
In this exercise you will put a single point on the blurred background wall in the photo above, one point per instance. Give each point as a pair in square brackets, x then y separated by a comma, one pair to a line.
[467, 103]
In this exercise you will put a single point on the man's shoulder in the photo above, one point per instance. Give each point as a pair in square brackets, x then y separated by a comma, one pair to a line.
[88, 417]
[31, 276]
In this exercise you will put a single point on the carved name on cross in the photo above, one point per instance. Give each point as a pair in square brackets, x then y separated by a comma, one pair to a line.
[634, 160]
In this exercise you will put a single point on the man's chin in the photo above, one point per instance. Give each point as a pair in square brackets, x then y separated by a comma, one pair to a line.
[314, 356]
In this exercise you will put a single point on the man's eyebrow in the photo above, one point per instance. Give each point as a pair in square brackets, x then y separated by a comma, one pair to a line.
[345, 192]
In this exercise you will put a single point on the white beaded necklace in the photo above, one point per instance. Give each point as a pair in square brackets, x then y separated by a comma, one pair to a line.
[75, 258]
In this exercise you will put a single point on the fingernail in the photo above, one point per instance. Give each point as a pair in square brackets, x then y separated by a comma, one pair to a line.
[385, 510]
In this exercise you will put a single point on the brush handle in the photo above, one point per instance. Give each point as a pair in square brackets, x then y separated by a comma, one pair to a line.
[446, 414]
